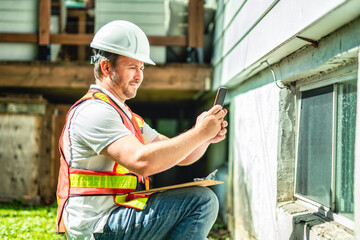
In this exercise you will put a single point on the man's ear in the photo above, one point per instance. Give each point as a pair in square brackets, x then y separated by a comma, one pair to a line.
[105, 68]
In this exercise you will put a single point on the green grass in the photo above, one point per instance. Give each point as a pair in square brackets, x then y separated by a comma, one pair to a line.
[38, 222]
[219, 231]
[31, 223]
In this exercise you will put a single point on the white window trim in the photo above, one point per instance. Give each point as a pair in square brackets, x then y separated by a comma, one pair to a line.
[335, 77]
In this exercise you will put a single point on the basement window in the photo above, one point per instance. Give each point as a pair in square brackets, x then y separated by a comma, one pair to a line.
[326, 145]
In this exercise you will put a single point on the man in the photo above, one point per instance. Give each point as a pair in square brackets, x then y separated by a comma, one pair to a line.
[108, 152]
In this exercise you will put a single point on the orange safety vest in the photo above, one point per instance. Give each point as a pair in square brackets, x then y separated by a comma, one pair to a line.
[119, 182]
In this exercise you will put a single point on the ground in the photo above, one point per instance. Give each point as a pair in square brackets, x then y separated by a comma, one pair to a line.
[37, 222]
[219, 231]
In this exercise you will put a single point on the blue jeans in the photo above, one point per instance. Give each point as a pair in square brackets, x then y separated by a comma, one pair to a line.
[185, 213]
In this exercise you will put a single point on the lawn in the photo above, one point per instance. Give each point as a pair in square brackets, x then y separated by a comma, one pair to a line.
[31, 223]
[38, 222]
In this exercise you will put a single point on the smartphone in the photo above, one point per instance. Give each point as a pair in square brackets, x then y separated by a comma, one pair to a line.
[220, 96]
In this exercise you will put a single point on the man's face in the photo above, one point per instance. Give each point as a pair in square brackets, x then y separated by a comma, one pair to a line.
[126, 77]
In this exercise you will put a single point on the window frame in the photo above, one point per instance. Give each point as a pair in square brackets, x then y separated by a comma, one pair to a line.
[334, 78]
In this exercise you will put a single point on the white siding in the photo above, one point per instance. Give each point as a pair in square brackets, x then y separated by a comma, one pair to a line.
[151, 16]
[18, 16]
[258, 28]
[255, 118]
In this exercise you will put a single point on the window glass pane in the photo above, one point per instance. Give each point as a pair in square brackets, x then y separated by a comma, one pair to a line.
[345, 147]
[313, 176]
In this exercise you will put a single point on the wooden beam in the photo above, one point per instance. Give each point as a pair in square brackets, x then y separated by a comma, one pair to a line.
[46, 75]
[176, 76]
[168, 41]
[72, 39]
[19, 37]
[196, 23]
[85, 39]
[44, 22]
[159, 77]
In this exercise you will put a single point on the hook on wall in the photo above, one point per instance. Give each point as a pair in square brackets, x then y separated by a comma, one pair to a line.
[273, 74]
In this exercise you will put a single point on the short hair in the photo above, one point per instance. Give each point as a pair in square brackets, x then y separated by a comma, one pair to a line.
[112, 58]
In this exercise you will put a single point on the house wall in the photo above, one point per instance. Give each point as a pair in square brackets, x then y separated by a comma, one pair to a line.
[250, 36]
[254, 115]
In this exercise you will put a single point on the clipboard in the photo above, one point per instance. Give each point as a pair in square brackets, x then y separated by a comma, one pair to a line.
[203, 183]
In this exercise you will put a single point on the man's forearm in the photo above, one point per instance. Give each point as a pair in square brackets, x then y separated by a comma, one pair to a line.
[164, 154]
[195, 155]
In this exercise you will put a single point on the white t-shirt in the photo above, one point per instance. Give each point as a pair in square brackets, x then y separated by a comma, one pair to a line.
[92, 126]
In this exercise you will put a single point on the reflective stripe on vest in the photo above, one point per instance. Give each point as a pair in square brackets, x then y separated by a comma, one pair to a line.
[120, 169]
[87, 182]
[140, 123]
[103, 181]
[138, 203]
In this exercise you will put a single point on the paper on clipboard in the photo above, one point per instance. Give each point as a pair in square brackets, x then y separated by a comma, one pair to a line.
[204, 183]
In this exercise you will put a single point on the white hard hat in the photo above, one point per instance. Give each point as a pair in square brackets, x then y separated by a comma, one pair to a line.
[123, 38]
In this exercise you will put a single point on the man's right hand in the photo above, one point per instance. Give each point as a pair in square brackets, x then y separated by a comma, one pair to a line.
[209, 122]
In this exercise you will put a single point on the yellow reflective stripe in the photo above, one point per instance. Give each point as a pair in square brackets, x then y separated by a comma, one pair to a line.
[120, 169]
[138, 203]
[87, 95]
[140, 124]
[103, 181]
[120, 199]
[139, 121]
[102, 96]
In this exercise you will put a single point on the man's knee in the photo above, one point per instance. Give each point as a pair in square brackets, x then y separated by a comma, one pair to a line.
[208, 199]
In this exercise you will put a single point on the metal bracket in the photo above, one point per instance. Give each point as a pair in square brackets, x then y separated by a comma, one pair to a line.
[314, 43]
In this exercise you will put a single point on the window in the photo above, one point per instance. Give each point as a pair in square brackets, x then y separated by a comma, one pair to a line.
[326, 145]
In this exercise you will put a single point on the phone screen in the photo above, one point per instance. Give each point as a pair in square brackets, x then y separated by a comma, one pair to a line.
[220, 96]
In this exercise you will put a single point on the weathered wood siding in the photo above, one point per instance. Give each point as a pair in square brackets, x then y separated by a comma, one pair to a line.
[20, 141]
[29, 154]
